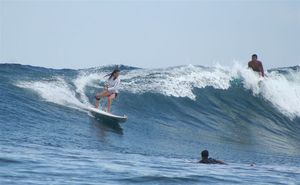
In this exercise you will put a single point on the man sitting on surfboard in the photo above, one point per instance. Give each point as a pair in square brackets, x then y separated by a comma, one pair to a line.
[110, 89]
[256, 65]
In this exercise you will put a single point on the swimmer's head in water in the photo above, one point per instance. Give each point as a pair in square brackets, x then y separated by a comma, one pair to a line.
[204, 154]
[254, 57]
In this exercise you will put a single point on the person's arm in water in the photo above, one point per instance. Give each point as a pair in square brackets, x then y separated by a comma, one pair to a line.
[261, 68]
[219, 161]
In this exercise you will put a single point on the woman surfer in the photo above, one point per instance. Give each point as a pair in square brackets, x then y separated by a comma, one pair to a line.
[110, 89]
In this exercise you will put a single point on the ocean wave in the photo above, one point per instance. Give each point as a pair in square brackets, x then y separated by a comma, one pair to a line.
[281, 89]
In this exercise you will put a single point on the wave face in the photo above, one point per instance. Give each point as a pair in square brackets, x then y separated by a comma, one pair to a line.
[173, 113]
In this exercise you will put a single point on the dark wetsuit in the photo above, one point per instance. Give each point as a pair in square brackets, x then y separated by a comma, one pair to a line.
[256, 66]
[211, 161]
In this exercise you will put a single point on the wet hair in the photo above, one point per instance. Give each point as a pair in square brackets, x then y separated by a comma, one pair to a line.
[204, 154]
[254, 55]
[112, 73]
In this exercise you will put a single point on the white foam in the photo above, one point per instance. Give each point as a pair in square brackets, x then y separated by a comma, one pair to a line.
[177, 81]
[85, 79]
[282, 90]
[55, 90]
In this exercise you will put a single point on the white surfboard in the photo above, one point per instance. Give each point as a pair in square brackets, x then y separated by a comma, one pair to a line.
[105, 116]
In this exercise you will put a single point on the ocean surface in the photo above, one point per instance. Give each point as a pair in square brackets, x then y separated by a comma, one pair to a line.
[253, 124]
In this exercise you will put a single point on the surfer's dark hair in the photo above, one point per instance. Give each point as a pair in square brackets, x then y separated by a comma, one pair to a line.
[204, 154]
[254, 55]
[112, 73]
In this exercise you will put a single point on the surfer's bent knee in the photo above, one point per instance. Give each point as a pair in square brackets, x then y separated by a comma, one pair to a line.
[97, 97]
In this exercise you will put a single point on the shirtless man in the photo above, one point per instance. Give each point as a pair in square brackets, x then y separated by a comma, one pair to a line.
[256, 65]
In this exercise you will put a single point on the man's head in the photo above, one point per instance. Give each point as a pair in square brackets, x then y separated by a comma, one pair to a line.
[204, 154]
[254, 57]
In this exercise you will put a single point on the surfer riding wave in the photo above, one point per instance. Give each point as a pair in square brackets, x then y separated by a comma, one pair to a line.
[110, 89]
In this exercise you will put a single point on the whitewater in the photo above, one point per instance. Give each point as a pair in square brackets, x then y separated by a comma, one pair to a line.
[251, 122]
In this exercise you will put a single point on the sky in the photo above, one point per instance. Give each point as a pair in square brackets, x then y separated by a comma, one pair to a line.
[149, 34]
